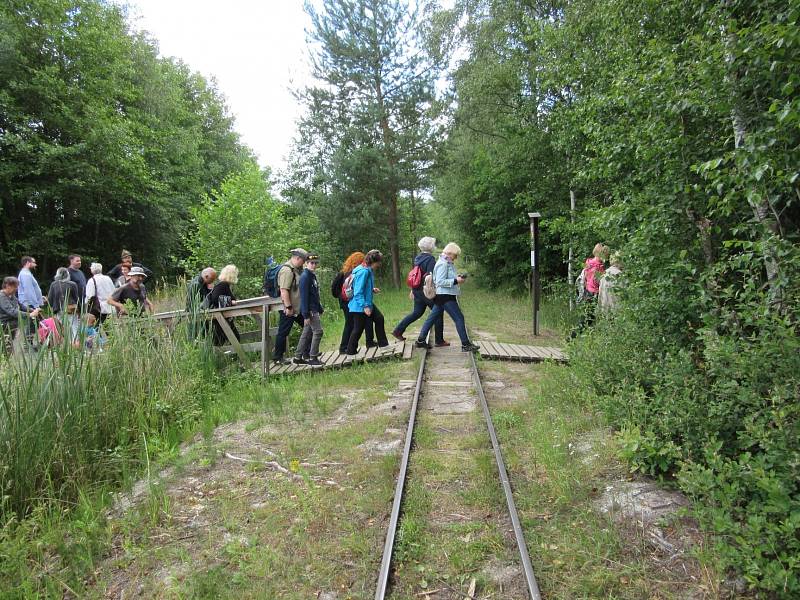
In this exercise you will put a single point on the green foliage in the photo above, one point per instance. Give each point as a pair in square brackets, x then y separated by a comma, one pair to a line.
[243, 224]
[369, 134]
[68, 419]
[105, 145]
[676, 126]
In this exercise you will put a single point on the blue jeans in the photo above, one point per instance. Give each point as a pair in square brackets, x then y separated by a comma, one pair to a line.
[452, 308]
[284, 329]
[420, 304]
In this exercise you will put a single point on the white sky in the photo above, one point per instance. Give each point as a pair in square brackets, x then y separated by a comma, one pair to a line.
[256, 50]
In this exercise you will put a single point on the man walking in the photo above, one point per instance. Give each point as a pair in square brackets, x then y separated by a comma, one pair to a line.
[29, 292]
[77, 277]
[288, 283]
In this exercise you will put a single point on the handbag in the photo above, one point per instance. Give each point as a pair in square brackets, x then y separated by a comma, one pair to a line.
[93, 306]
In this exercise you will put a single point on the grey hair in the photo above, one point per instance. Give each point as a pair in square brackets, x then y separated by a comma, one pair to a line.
[96, 268]
[61, 274]
[9, 281]
[427, 244]
[208, 271]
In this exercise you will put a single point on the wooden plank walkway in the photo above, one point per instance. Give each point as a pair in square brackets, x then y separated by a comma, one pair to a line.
[501, 351]
[334, 360]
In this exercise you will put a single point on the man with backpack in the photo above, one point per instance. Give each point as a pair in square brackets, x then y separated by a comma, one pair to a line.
[283, 281]
[423, 264]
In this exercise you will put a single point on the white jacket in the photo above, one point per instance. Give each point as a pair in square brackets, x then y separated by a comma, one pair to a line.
[105, 287]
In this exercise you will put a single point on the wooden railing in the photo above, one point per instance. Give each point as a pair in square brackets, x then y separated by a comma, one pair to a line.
[258, 308]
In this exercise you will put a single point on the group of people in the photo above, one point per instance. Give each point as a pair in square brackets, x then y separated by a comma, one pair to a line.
[355, 291]
[75, 306]
[596, 284]
[78, 306]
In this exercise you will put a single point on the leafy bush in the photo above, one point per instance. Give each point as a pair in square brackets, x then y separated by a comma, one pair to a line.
[243, 224]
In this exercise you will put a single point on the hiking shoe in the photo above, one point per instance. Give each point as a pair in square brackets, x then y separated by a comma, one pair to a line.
[422, 344]
[298, 360]
[470, 347]
[398, 336]
[442, 344]
[314, 362]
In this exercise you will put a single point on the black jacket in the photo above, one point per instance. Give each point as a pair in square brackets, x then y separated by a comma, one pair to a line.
[61, 294]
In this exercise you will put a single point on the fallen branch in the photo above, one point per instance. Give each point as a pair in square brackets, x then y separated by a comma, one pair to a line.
[270, 463]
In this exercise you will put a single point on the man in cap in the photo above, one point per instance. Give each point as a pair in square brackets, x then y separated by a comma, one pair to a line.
[134, 291]
[288, 278]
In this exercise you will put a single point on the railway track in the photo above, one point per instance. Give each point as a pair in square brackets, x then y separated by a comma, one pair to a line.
[422, 388]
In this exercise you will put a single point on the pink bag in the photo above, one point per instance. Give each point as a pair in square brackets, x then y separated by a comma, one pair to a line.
[49, 333]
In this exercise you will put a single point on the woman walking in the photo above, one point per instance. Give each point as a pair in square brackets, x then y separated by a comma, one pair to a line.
[354, 260]
[362, 306]
[448, 289]
[101, 287]
[426, 262]
[222, 297]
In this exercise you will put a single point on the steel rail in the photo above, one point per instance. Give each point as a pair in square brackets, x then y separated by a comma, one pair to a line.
[533, 587]
[388, 547]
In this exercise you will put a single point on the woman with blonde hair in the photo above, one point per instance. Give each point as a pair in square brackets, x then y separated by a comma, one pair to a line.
[222, 297]
[350, 263]
[448, 289]
[425, 261]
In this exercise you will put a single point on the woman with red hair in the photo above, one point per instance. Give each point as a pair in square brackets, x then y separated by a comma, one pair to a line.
[352, 261]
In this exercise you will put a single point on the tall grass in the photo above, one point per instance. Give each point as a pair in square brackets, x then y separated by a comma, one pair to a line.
[70, 419]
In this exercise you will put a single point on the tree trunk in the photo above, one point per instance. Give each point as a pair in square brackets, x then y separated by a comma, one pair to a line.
[390, 199]
[759, 204]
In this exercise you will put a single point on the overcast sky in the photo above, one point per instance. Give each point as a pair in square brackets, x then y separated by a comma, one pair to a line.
[255, 49]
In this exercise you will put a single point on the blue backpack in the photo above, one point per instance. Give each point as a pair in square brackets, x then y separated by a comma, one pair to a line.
[270, 287]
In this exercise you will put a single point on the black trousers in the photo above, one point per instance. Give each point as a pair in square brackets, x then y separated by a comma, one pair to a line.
[284, 329]
[348, 329]
[359, 324]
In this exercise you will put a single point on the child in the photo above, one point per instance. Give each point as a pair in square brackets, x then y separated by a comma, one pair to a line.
[93, 339]
[310, 309]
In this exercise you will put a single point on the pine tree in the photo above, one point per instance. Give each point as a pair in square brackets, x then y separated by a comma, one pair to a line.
[368, 133]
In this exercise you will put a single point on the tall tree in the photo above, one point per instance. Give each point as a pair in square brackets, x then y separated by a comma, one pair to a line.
[368, 133]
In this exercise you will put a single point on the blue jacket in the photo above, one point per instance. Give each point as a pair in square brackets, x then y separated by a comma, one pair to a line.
[309, 294]
[444, 276]
[426, 262]
[363, 282]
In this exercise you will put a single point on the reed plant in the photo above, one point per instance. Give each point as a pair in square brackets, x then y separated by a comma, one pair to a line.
[71, 419]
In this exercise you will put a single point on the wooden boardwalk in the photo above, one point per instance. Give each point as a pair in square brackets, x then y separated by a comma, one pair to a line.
[334, 360]
[501, 351]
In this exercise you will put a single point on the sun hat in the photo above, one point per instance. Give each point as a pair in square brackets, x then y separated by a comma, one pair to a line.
[299, 252]
[137, 271]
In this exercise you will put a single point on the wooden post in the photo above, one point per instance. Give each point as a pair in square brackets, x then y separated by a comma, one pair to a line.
[534, 221]
[265, 341]
[570, 258]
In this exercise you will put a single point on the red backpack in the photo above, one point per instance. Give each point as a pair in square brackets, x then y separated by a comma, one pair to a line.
[415, 278]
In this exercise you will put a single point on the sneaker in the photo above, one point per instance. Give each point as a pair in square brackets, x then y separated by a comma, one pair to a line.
[281, 361]
[442, 344]
[299, 360]
[422, 344]
[470, 347]
[398, 336]
[314, 362]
